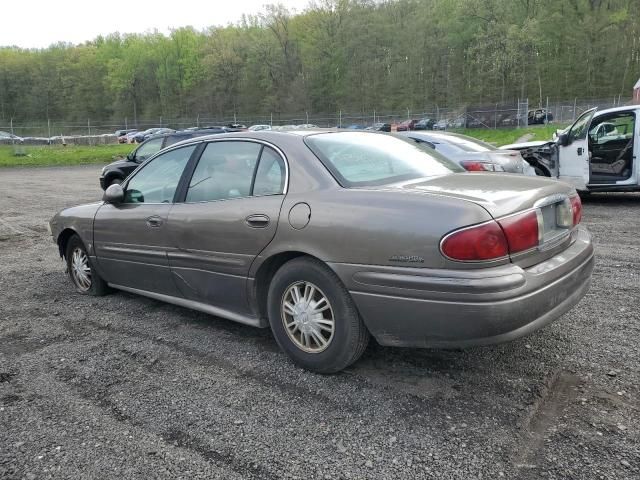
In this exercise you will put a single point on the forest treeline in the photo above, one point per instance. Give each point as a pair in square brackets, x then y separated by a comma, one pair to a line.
[350, 55]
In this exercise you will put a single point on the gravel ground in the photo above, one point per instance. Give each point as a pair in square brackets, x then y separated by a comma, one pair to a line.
[127, 387]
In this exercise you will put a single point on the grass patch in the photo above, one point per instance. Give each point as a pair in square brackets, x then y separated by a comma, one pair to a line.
[505, 136]
[57, 155]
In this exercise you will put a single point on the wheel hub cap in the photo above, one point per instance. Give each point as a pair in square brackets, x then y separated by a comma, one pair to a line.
[80, 270]
[307, 317]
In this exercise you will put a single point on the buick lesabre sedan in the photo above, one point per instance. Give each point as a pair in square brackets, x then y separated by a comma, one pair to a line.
[330, 237]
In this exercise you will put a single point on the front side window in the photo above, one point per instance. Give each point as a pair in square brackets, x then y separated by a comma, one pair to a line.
[148, 148]
[225, 170]
[358, 159]
[580, 127]
[158, 180]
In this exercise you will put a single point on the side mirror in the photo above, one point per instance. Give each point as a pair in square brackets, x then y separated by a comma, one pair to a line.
[114, 194]
[563, 139]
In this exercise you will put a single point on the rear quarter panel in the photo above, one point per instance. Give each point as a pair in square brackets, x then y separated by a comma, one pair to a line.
[374, 227]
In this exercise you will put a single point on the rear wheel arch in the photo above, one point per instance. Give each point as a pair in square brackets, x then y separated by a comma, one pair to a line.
[265, 273]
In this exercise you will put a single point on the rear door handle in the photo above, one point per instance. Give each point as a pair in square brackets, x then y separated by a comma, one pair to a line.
[154, 222]
[579, 150]
[257, 221]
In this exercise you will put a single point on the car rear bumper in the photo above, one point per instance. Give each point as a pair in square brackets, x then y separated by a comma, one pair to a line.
[415, 307]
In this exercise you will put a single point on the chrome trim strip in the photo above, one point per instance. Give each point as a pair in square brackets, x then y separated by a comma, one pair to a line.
[192, 304]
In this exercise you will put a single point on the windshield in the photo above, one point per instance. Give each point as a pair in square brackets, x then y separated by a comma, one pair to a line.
[358, 159]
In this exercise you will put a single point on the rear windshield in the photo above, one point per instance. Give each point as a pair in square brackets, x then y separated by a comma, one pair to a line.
[468, 144]
[359, 159]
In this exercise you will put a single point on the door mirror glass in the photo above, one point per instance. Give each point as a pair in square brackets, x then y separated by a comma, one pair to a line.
[113, 194]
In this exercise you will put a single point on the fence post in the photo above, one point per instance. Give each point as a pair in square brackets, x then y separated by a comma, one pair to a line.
[575, 101]
[495, 118]
[340, 121]
[12, 139]
[271, 120]
[546, 113]
[49, 127]
[125, 124]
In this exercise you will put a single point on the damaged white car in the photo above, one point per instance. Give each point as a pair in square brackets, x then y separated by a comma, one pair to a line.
[597, 153]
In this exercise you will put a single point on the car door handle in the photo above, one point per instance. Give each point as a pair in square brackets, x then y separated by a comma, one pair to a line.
[579, 150]
[154, 222]
[257, 221]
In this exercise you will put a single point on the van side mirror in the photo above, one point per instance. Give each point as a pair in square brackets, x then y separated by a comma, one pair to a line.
[114, 194]
[563, 139]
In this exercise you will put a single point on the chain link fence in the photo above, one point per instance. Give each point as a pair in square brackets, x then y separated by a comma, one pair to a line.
[501, 115]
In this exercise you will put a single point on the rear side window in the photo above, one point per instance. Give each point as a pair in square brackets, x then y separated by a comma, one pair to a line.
[270, 176]
[236, 169]
[225, 170]
[358, 159]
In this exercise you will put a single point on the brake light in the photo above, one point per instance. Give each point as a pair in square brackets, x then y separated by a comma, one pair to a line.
[475, 166]
[521, 230]
[576, 207]
[483, 242]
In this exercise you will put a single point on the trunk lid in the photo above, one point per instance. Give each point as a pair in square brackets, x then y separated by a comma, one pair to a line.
[499, 194]
[502, 195]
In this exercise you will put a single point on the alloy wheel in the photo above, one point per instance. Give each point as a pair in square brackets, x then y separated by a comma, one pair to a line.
[307, 317]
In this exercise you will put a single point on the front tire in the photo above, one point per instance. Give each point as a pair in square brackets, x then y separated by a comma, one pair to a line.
[313, 317]
[81, 271]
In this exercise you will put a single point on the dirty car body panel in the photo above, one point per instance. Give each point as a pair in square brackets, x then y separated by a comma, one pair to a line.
[382, 239]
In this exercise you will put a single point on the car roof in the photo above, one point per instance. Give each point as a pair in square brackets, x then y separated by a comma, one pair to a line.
[626, 108]
[268, 135]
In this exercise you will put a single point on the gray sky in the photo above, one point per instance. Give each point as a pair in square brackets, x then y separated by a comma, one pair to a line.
[39, 23]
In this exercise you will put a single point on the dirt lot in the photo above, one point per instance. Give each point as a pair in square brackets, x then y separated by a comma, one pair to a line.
[127, 387]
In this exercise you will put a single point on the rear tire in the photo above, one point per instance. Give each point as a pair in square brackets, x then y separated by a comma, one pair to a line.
[81, 271]
[114, 181]
[321, 331]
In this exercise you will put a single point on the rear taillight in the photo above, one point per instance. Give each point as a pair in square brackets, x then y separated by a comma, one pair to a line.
[483, 242]
[521, 230]
[576, 207]
[475, 166]
[493, 240]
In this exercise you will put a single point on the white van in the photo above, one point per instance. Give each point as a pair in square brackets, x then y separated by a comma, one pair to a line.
[597, 153]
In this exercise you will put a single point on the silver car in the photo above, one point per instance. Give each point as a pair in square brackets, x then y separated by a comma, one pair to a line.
[473, 154]
[330, 237]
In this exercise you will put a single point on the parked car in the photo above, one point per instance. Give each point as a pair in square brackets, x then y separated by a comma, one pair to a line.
[472, 154]
[124, 131]
[238, 126]
[142, 136]
[406, 125]
[598, 153]
[539, 116]
[257, 128]
[7, 137]
[441, 124]
[424, 124]
[380, 127]
[363, 234]
[128, 137]
[117, 171]
[355, 126]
